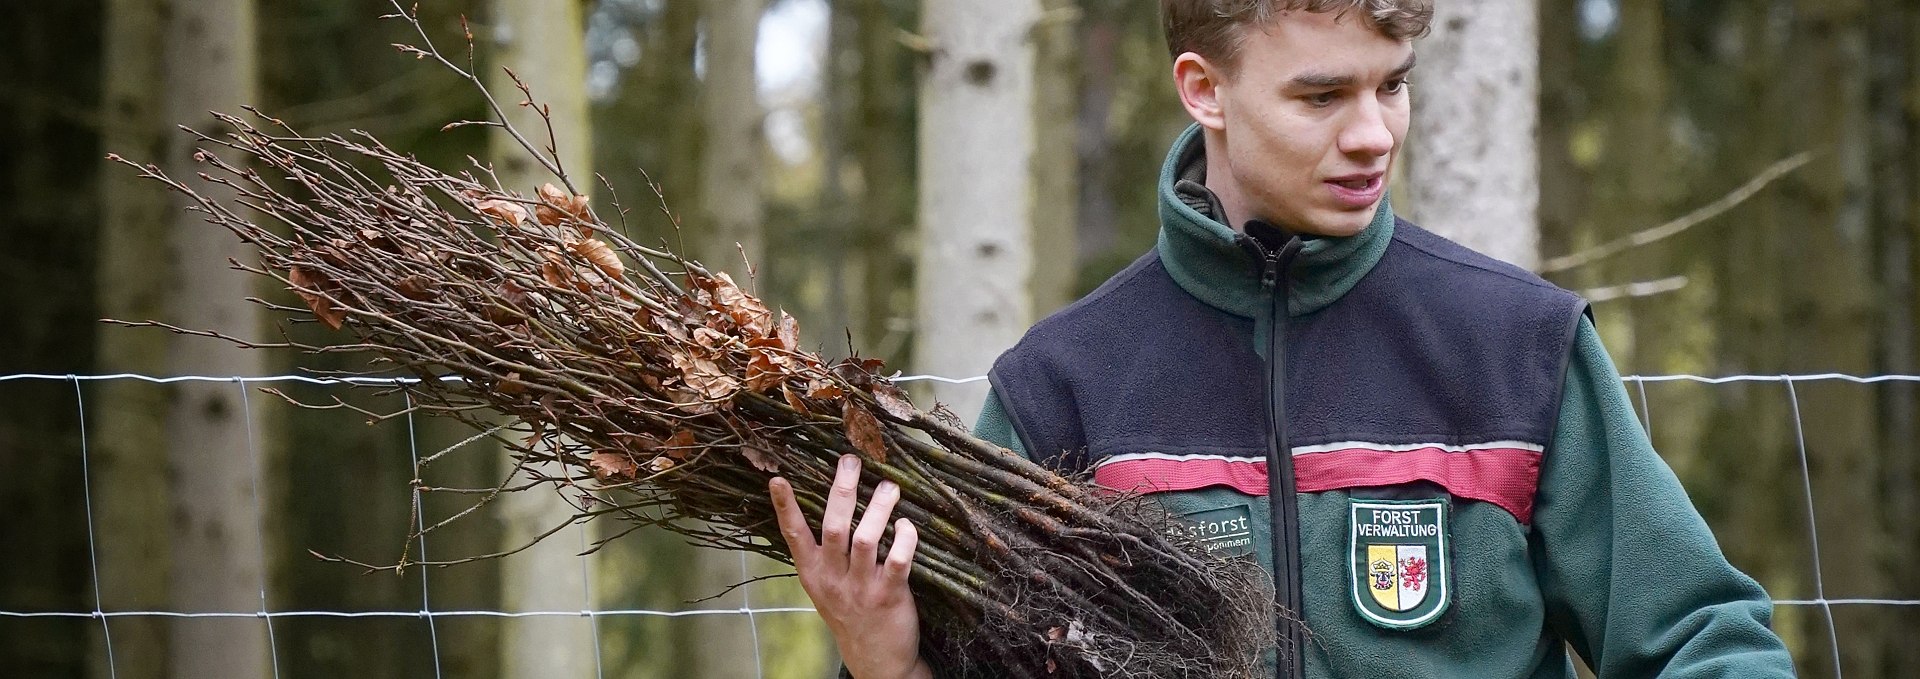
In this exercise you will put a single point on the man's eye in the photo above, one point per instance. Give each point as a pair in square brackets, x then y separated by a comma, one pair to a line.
[1396, 86]
[1322, 98]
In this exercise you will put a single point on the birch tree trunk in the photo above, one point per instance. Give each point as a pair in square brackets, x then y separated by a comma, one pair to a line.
[217, 562]
[1472, 161]
[976, 154]
[129, 476]
[543, 42]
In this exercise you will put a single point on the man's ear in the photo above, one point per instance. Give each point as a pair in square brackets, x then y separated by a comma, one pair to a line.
[1199, 82]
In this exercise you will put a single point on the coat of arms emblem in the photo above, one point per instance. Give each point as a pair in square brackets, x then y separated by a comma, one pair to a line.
[1399, 569]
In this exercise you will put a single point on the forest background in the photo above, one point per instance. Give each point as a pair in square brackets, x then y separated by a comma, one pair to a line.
[834, 140]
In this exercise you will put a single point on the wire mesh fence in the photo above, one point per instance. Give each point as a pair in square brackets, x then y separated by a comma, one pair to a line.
[749, 615]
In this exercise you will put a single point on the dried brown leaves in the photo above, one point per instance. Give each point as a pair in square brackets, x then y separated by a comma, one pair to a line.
[415, 287]
[724, 340]
[309, 285]
[761, 458]
[556, 208]
[893, 400]
[754, 319]
[718, 340]
[602, 256]
[509, 310]
[863, 429]
[503, 211]
[705, 377]
[546, 263]
[613, 467]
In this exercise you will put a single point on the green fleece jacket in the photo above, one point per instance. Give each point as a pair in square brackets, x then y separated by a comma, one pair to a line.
[1617, 562]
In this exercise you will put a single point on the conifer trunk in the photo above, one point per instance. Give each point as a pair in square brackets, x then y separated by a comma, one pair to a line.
[543, 42]
[126, 420]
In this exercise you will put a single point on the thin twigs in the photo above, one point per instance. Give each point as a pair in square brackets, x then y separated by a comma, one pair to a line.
[647, 390]
[1687, 221]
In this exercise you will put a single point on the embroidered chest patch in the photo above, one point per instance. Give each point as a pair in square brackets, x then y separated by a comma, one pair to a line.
[1227, 531]
[1398, 568]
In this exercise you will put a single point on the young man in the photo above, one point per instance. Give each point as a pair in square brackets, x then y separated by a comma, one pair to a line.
[1462, 488]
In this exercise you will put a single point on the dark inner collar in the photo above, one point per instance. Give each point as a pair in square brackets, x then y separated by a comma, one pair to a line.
[1192, 190]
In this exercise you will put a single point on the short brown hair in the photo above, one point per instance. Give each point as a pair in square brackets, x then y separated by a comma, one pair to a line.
[1215, 28]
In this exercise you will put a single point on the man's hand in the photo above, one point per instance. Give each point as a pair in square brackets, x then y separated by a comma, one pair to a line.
[865, 601]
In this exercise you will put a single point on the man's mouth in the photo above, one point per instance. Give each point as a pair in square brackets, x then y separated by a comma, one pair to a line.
[1357, 190]
[1360, 181]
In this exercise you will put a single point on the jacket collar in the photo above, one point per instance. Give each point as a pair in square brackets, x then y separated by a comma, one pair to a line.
[1200, 253]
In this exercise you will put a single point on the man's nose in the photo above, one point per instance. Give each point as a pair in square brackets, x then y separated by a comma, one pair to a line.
[1366, 133]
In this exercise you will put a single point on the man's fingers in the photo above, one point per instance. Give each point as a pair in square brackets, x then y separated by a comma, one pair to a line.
[873, 525]
[900, 559]
[793, 524]
[837, 522]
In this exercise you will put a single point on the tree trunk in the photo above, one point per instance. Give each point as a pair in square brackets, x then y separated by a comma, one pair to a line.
[1794, 296]
[216, 538]
[731, 195]
[1563, 182]
[1831, 308]
[885, 132]
[49, 161]
[656, 108]
[1751, 429]
[976, 158]
[1636, 184]
[1894, 174]
[129, 476]
[1127, 122]
[730, 164]
[543, 43]
[1056, 162]
[837, 225]
[1472, 162]
[1102, 32]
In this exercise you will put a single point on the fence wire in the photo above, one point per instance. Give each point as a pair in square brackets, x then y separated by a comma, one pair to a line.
[746, 610]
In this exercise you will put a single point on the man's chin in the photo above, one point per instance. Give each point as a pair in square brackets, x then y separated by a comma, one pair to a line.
[1339, 224]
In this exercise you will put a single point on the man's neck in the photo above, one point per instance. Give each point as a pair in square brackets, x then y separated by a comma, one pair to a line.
[1221, 182]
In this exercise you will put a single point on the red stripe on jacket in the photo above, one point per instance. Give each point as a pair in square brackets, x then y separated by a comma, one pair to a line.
[1506, 477]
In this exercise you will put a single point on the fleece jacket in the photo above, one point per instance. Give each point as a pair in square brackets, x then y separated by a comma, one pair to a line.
[1425, 570]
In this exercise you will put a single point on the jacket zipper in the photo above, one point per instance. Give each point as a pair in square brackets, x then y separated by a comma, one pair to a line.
[1283, 505]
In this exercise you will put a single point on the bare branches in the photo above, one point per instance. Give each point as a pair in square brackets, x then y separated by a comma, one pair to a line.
[1673, 228]
[1632, 290]
[664, 399]
[551, 160]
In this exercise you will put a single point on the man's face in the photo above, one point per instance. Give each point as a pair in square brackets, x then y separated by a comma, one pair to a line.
[1311, 121]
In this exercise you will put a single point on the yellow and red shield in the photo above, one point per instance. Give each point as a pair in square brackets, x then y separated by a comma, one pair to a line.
[1399, 561]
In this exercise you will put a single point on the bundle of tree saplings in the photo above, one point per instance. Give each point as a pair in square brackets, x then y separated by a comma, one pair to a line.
[652, 391]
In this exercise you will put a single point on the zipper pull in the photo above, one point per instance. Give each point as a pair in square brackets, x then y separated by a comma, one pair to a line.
[1273, 246]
